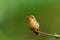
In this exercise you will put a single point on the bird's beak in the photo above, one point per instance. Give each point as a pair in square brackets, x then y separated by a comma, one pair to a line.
[27, 16]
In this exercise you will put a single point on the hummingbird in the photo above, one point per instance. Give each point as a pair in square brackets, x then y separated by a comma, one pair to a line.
[34, 25]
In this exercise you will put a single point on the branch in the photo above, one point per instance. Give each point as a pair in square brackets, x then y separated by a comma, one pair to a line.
[53, 35]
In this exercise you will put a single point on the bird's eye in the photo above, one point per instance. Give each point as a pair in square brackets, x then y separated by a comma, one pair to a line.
[31, 16]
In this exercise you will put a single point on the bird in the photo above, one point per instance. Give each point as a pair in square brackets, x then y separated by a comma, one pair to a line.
[34, 25]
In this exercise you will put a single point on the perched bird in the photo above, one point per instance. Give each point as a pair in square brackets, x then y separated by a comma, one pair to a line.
[34, 25]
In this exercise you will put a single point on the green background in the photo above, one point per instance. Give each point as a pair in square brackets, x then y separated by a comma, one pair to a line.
[15, 26]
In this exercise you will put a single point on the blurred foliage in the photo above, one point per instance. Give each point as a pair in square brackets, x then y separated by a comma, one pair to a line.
[14, 24]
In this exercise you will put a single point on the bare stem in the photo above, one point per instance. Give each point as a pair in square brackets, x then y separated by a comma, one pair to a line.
[53, 35]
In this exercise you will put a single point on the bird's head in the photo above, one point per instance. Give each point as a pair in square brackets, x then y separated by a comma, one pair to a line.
[31, 17]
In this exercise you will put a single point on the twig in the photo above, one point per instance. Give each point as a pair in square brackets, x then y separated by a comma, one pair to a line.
[53, 35]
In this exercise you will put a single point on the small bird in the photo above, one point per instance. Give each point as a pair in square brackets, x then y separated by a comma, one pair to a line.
[34, 25]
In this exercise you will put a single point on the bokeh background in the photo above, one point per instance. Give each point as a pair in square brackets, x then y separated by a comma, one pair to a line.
[15, 26]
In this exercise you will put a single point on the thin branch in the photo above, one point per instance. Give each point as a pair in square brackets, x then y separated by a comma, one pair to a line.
[53, 35]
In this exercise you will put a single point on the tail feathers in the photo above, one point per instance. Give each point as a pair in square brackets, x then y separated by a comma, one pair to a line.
[37, 32]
